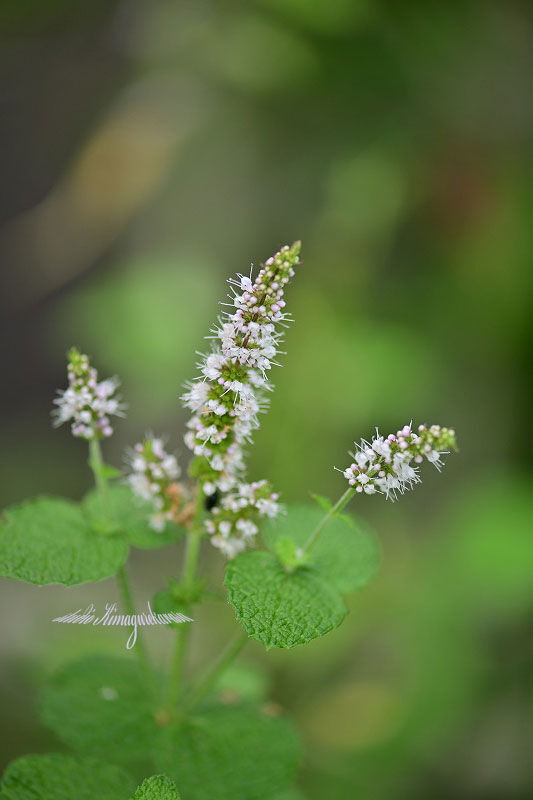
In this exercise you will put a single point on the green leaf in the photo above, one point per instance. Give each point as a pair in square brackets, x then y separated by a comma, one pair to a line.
[346, 554]
[127, 516]
[47, 540]
[280, 608]
[324, 502]
[292, 793]
[99, 706]
[158, 787]
[227, 752]
[176, 596]
[163, 602]
[242, 682]
[289, 553]
[60, 777]
[108, 471]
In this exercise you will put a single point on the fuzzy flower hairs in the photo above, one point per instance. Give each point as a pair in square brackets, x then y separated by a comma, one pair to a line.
[390, 465]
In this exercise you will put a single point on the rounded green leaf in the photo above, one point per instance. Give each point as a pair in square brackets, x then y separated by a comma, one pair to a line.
[60, 777]
[99, 705]
[127, 517]
[48, 540]
[236, 753]
[346, 553]
[158, 787]
[280, 608]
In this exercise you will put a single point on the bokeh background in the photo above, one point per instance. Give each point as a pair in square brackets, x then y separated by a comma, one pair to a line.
[150, 149]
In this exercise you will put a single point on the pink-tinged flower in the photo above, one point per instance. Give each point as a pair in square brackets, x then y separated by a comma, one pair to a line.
[86, 401]
[390, 465]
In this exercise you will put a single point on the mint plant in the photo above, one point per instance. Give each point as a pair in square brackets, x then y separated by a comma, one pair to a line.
[288, 571]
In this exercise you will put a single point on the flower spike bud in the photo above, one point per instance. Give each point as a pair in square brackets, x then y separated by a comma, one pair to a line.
[153, 477]
[390, 465]
[230, 391]
[86, 401]
[233, 523]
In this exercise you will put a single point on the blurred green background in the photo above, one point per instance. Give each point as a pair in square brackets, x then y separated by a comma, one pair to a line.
[149, 150]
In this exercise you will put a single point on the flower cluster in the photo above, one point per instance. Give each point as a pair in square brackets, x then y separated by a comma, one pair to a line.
[390, 465]
[87, 402]
[153, 479]
[230, 392]
[233, 523]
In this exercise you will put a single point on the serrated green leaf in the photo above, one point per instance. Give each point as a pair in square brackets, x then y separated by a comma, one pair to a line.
[47, 540]
[99, 706]
[280, 608]
[236, 753]
[158, 787]
[346, 554]
[127, 517]
[60, 777]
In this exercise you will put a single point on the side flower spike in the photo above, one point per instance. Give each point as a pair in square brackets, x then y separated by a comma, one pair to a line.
[86, 401]
[234, 523]
[390, 465]
[153, 477]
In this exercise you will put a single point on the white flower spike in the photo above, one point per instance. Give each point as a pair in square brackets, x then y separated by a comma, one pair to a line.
[390, 465]
[87, 402]
[231, 390]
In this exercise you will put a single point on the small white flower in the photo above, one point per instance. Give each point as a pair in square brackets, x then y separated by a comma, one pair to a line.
[225, 528]
[140, 486]
[247, 528]
[362, 459]
[230, 547]
[381, 448]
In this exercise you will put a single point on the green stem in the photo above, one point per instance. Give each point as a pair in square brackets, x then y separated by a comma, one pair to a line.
[188, 576]
[96, 463]
[216, 669]
[339, 505]
[192, 551]
[127, 599]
